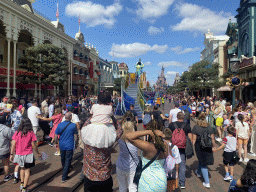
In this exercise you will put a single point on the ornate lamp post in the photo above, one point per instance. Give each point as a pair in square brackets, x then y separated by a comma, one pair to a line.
[234, 67]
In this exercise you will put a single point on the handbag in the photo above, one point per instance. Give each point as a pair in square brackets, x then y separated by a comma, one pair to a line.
[169, 169]
[139, 168]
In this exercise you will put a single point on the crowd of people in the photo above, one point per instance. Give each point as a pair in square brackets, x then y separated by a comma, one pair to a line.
[165, 143]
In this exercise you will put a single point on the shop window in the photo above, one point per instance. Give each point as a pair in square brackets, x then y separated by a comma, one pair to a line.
[81, 72]
[75, 70]
[121, 73]
[245, 45]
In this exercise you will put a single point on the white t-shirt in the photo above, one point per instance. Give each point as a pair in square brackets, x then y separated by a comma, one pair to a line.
[2, 105]
[33, 111]
[230, 144]
[174, 113]
[101, 114]
[226, 122]
[74, 119]
[243, 130]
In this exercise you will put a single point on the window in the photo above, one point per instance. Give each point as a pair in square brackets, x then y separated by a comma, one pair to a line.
[75, 70]
[245, 45]
[121, 73]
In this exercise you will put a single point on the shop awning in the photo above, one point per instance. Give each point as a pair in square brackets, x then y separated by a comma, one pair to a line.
[224, 88]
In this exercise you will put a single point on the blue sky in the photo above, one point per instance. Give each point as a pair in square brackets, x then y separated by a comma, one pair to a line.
[160, 32]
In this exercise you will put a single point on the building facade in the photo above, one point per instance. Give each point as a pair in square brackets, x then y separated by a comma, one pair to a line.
[176, 79]
[20, 27]
[106, 76]
[115, 69]
[123, 69]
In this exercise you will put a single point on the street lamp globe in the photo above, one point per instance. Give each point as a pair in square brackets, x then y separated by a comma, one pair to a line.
[234, 63]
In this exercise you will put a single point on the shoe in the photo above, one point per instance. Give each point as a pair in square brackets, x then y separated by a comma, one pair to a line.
[21, 186]
[63, 181]
[252, 154]
[24, 190]
[197, 174]
[7, 177]
[57, 153]
[241, 160]
[227, 178]
[219, 139]
[206, 185]
[246, 160]
[51, 144]
[16, 180]
[182, 187]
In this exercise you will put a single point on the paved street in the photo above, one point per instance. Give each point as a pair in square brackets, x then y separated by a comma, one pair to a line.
[46, 169]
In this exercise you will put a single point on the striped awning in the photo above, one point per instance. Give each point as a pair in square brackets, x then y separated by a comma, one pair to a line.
[224, 88]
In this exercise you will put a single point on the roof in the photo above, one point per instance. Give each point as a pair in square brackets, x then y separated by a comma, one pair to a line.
[123, 65]
[231, 26]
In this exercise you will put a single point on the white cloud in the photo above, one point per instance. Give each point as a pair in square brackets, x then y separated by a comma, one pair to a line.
[180, 50]
[170, 75]
[150, 9]
[93, 14]
[135, 49]
[154, 30]
[199, 19]
[171, 64]
[148, 63]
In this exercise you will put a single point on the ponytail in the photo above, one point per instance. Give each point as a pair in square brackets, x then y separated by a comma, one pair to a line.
[240, 117]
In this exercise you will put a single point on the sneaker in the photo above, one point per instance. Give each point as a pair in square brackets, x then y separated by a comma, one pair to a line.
[206, 185]
[57, 153]
[227, 178]
[197, 174]
[241, 160]
[16, 180]
[182, 187]
[7, 177]
[219, 139]
[51, 144]
[24, 190]
[246, 160]
[21, 186]
[252, 154]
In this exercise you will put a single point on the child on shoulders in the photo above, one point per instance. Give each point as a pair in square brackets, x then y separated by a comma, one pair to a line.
[101, 132]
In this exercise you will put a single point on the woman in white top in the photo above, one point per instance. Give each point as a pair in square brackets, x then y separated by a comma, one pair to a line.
[219, 119]
[242, 135]
[127, 160]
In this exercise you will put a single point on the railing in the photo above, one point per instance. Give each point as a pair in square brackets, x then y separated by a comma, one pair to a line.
[141, 99]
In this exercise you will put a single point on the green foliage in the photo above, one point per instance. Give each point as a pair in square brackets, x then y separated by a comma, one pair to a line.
[118, 82]
[52, 65]
[202, 76]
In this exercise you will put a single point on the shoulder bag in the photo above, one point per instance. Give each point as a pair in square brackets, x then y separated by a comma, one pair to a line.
[65, 128]
[139, 168]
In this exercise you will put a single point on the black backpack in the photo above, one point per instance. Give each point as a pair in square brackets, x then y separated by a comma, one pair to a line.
[206, 139]
[187, 114]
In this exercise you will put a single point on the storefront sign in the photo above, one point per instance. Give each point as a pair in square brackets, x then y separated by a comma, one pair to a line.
[246, 63]
[3, 71]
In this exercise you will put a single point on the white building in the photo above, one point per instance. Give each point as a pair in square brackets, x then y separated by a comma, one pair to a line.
[214, 49]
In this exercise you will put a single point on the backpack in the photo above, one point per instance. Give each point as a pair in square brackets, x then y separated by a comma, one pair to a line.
[179, 136]
[187, 114]
[146, 119]
[206, 139]
[169, 164]
[189, 151]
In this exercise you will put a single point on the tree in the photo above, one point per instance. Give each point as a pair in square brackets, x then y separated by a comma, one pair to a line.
[117, 84]
[46, 61]
[202, 76]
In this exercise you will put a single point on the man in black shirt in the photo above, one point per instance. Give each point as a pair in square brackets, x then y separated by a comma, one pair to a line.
[188, 133]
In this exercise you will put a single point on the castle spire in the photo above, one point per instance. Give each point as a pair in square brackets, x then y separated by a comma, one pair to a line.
[57, 13]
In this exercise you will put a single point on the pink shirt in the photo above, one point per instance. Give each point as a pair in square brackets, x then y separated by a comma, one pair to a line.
[24, 143]
[101, 114]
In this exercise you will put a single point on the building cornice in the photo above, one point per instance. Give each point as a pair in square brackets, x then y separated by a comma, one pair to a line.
[37, 21]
